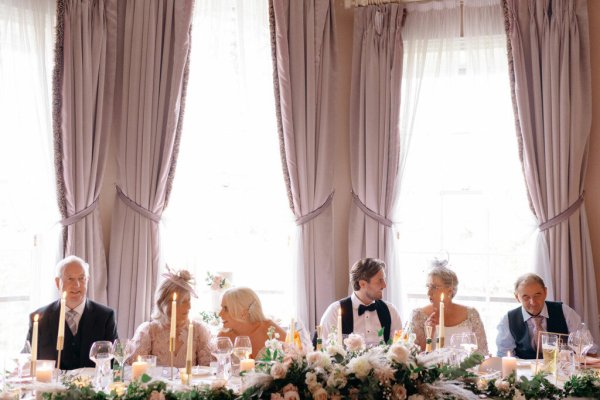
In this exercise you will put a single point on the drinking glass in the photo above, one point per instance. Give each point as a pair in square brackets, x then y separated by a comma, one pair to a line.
[242, 348]
[550, 344]
[222, 348]
[122, 350]
[22, 359]
[565, 363]
[101, 353]
[581, 342]
[469, 342]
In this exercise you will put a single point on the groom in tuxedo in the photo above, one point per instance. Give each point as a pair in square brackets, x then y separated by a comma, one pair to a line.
[85, 320]
[364, 312]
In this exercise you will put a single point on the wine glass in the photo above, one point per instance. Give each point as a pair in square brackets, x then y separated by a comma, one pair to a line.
[222, 348]
[101, 353]
[469, 342]
[122, 350]
[242, 348]
[22, 358]
[581, 341]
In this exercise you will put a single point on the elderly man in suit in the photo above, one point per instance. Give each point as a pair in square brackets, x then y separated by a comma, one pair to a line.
[85, 320]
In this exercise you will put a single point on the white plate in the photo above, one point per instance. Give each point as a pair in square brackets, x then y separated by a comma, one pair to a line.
[201, 371]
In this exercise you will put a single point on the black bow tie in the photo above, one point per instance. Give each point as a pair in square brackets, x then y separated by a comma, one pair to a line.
[362, 308]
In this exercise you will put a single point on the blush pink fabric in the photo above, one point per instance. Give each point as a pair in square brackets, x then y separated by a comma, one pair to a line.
[84, 79]
[550, 49]
[374, 126]
[304, 76]
[152, 57]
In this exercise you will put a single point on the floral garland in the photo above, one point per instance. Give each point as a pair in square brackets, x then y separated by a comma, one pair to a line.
[216, 281]
[394, 371]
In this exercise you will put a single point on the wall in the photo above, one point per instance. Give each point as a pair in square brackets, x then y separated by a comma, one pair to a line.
[342, 199]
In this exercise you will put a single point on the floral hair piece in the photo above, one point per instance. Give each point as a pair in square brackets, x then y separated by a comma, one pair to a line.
[181, 278]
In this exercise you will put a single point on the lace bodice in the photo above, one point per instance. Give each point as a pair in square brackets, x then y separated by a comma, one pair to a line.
[152, 338]
[471, 324]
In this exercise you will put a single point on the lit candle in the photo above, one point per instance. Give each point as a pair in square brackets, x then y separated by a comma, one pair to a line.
[509, 365]
[173, 315]
[190, 347]
[442, 329]
[34, 343]
[60, 339]
[138, 368]
[44, 373]
[246, 364]
[339, 328]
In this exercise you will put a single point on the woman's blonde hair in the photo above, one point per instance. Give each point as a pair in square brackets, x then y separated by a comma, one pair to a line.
[243, 304]
[180, 282]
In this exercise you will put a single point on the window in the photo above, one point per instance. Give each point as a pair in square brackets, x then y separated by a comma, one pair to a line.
[228, 210]
[28, 210]
[463, 193]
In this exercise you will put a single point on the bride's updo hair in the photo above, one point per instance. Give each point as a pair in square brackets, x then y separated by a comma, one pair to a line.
[181, 282]
[440, 269]
[243, 304]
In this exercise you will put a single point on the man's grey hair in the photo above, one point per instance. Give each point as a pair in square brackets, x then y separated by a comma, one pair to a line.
[60, 267]
[528, 278]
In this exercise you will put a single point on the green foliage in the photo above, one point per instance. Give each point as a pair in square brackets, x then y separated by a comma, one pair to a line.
[584, 385]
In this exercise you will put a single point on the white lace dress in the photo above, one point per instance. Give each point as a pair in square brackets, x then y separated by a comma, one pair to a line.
[471, 324]
[152, 338]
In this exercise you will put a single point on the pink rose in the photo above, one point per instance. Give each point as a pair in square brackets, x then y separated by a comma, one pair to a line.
[276, 396]
[289, 388]
[354, 342]
[157, 395]
[320, 394]
[291, 395]
[336, 396]
[353, 393]
[278, 371]
[398, 392]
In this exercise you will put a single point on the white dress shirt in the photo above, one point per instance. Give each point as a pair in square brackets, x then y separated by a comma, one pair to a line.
[505, 340]
[366, 325]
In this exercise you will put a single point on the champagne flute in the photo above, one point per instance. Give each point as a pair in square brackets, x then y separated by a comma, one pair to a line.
[22, 358]
[101, 353]
[222, 348]
[122, 350]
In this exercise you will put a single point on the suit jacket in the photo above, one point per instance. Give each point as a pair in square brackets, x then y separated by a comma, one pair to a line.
[97, 323]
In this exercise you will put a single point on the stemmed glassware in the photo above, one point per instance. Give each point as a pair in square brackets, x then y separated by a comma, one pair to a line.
[242, 348]
[581, 342]
[22, 358]
[101, 353]
[222, 348]
[122, 350]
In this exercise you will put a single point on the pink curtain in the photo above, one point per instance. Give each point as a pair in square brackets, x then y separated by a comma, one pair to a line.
[374, 127]
[84, 78]
[550, 49]
[304, 73]
[154, 44]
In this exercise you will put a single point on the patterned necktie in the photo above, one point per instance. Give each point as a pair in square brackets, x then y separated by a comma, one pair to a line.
[72, 321]
[537, 327]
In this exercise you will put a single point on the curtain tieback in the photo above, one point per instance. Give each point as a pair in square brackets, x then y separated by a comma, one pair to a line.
[377, 217]
[563, 215]
[136, 207]
[316, 212]
[79, 215]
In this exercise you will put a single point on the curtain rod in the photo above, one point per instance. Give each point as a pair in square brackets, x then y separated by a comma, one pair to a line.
[362, 3]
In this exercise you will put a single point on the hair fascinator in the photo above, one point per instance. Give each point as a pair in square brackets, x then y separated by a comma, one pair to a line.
[182, 278]
[439, 263]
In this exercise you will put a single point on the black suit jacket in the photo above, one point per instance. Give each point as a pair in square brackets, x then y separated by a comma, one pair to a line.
[97, 323]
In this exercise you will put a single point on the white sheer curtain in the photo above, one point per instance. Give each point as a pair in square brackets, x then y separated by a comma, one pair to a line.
[462, 191]
[228, 210]
[28, 212]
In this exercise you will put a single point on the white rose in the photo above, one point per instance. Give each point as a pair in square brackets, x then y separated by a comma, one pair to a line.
[518, 395]
[354, 342]
[311, 380]
[502, 385]
[334, 349]
[482, 384]
[360, 366]
[398, 353]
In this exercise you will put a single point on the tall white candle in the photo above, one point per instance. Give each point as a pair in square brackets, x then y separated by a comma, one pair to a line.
[190, 345]
[339, 328]
[173, 315]
[34, 343]
[509, 365]
[61, 323]
[442, 330]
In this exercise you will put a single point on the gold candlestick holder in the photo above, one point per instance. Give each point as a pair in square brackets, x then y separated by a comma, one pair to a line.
[429, 340]
[171, 350]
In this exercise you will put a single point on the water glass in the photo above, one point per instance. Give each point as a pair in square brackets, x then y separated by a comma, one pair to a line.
[550, 346]
[101, 353]
[222, 348]
[565, 363]
[22, 359]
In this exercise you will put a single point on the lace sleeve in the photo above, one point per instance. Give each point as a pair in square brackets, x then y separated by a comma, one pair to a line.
[417, 326]
[479, 330]
[142, 342]
[203, 344]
